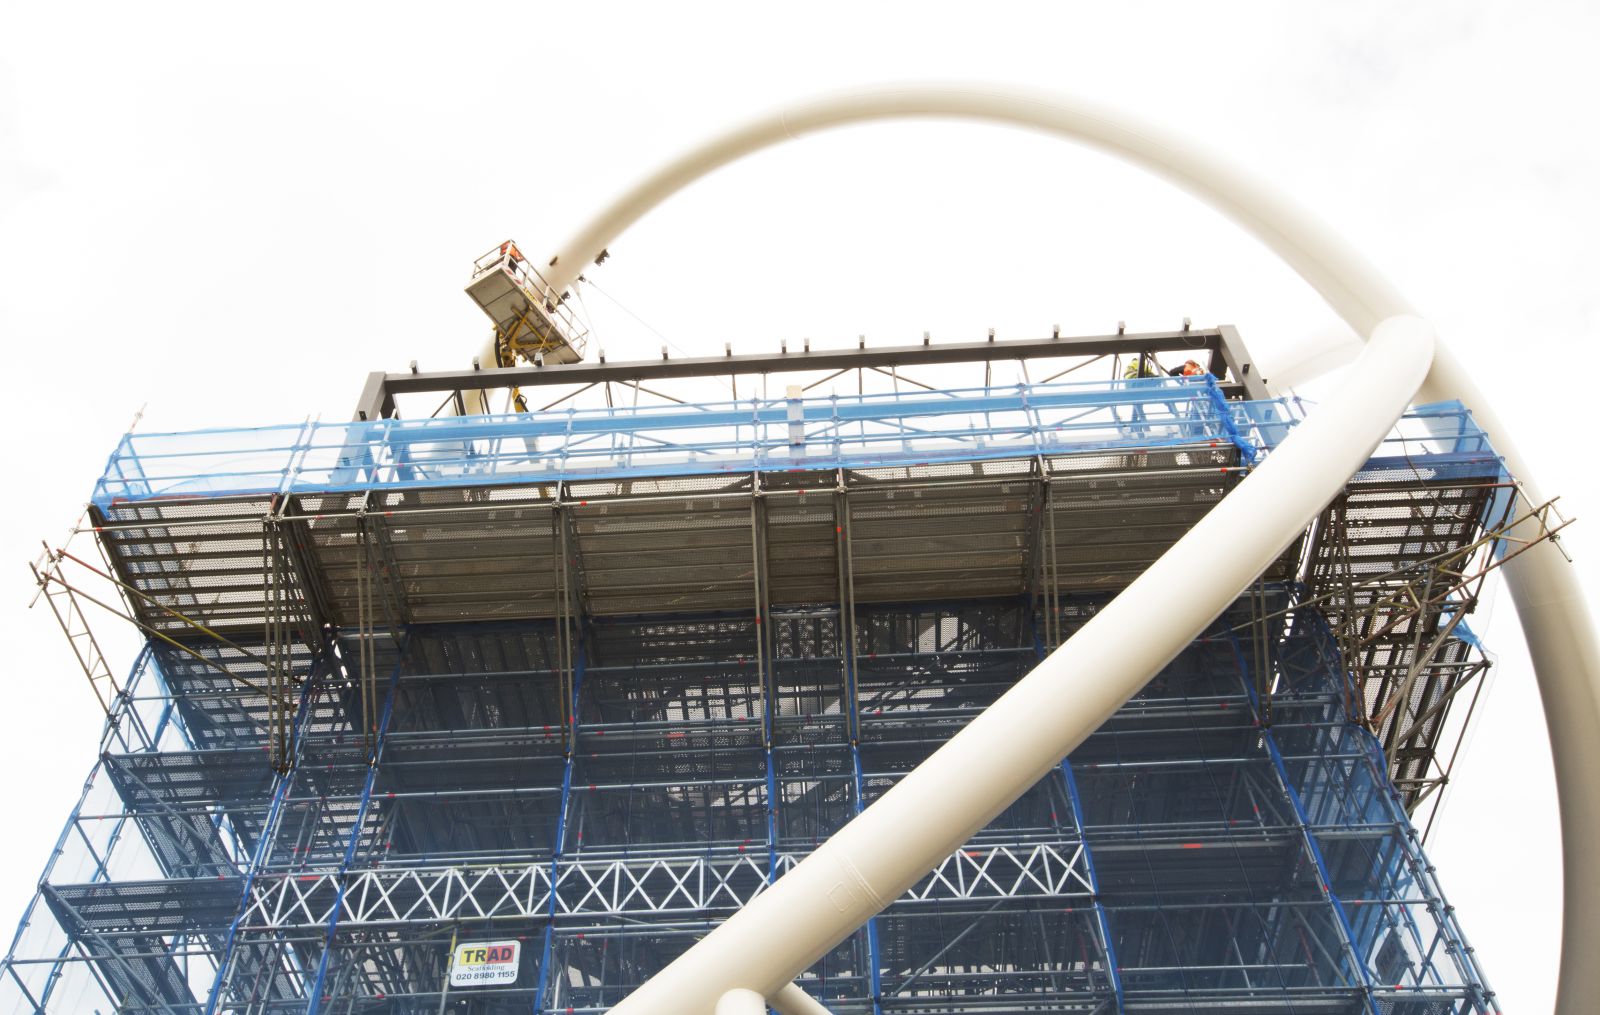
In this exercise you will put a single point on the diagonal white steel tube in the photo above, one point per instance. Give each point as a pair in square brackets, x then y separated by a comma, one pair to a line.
[791, 1000]
[1554, 617]
[936, 807]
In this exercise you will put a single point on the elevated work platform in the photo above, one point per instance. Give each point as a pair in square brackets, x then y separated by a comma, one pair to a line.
[530, 322]
[940, 494]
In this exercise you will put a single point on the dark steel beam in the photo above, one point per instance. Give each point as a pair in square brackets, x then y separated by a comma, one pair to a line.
[376, 401]
[1239, 364]
[1189, 342]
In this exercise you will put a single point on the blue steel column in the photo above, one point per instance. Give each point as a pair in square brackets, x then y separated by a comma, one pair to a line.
[546, 952]
[772, 804]
[269, 829]
[876, 975]
[766, 651]
[852, 699]
[314, 1004]
[766, 669]
[1303, 822]
[1113, 973]
[1425, 877]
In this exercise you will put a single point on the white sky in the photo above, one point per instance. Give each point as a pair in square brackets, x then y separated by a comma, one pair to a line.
[233, 214]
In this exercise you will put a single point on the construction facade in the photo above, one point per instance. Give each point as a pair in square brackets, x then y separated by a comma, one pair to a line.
[501, 713]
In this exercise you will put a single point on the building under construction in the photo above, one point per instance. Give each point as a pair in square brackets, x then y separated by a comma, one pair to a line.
[502, 712]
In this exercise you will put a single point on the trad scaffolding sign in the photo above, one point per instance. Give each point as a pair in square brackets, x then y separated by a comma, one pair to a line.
[483, 962]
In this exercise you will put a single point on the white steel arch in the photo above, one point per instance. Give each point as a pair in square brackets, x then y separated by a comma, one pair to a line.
[896, 840]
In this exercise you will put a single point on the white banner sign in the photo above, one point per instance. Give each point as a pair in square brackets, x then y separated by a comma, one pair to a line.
[481, 962]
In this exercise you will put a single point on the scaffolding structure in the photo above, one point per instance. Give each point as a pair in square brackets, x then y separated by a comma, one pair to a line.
[589, 680]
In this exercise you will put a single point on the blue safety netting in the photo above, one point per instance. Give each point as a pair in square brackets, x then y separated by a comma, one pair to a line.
[762, 435]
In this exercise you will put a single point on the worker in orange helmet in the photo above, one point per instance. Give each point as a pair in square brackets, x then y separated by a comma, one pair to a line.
[509, 249]
[1189, 369]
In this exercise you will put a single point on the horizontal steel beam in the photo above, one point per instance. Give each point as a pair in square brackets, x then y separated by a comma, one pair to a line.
[1210, 341]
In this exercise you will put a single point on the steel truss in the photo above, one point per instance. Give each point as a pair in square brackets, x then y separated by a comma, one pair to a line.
[644, 885]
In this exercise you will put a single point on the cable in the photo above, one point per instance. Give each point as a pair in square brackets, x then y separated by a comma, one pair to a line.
[648, 327]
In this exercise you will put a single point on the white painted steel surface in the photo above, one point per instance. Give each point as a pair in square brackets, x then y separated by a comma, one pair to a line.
[741, 1002]
[1555, 620]
[791, 1000]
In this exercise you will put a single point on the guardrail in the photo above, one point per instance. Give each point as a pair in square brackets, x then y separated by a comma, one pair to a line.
[763, 435]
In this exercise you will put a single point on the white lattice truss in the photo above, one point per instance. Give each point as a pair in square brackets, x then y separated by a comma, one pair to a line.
[627, 886]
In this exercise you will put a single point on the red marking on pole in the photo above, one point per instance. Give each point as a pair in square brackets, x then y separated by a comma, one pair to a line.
[1192, 845]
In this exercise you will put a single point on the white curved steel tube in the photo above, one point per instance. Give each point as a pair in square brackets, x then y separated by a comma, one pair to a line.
[1557, 626]
[741, 1001]
[1359, 294]
[1011, 745]
[1555, 621]
[791, 1000]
